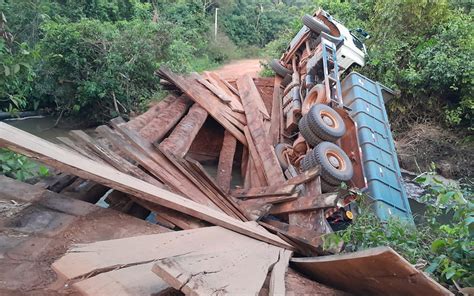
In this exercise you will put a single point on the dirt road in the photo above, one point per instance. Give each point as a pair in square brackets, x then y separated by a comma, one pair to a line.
[238, 68]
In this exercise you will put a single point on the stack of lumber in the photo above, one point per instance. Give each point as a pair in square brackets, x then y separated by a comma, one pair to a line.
[151, 162]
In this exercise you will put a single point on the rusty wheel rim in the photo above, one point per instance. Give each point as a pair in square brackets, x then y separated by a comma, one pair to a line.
[335, 160]
[329, 119]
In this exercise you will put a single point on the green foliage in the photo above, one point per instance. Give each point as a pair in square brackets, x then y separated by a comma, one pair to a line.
[422, 49]
[441, 243]
[256, 22]
[88, 64]
[16, 75]
[94, 59]
[431, 64]
[19, 167]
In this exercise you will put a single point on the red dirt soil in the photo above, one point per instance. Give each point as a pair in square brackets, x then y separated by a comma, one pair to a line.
[235, 69]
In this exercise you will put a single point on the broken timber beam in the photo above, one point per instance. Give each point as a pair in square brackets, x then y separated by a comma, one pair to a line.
[181, 220]
[165, 120]
[201, 95]
[55, 156]
[249, 95]
[226, 161]
[306, 203]
[183, 135]
[141, 120]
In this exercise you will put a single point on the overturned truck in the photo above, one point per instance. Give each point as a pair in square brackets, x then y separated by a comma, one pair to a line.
[340, 125]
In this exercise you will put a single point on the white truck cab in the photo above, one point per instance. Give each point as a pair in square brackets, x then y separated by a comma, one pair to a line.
[352, 51]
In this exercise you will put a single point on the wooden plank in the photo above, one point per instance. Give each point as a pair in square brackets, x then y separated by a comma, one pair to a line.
[215, 79]
[305, 176]
[165, 120]
[271, 167]
[307, 203]
[201, 96]
[255, 210]
[276, 112]
[236, 118]
[264, 191]
[137, 280]
[81, 149]
[51, 154]
[386, 269]
[247, 88]
[256, 176]
[308, 242]
[216, 90]
[140, 121]
[233, 271]
[276, 199]
[183, 135]
[85, 259]
[277, 278]
[214, 197]
[312, 220]
[226, 161]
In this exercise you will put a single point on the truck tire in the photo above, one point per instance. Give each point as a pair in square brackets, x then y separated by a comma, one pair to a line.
[325, 122]
[327, 188]
[336, 166]
[279, 69]
[311, 138]
[315, 25]
[279, 151]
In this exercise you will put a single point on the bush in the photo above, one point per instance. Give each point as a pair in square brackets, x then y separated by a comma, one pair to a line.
[431, 64]
[87, 65]
[19, 167]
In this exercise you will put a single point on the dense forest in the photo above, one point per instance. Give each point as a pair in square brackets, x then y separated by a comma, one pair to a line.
[76, 57]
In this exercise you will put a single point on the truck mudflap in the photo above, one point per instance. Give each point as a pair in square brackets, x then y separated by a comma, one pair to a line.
[365, 99]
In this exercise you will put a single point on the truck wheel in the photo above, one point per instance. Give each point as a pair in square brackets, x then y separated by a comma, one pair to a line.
[279, 69]
[326, 187]
[315, 25]
[279, 151]
[325, 122]
[311, 138]
[336, 166]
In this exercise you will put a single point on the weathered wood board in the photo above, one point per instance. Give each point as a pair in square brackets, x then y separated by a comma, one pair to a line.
[249, 95]
[136, 280]
[277, 279]
[226, 161]
[183, 135]
[166, 119]
[376, 271]
[238, 268]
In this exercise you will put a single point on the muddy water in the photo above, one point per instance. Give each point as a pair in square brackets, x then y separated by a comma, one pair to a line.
[41, 126]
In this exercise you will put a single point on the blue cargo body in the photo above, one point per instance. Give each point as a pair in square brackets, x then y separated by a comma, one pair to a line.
[365, 98]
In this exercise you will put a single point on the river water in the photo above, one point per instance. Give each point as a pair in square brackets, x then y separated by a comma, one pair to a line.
[41, 126]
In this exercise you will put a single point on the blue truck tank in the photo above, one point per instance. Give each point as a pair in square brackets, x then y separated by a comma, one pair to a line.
[366, 99]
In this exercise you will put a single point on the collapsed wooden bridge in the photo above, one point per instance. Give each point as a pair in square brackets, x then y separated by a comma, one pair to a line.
[155, 162]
